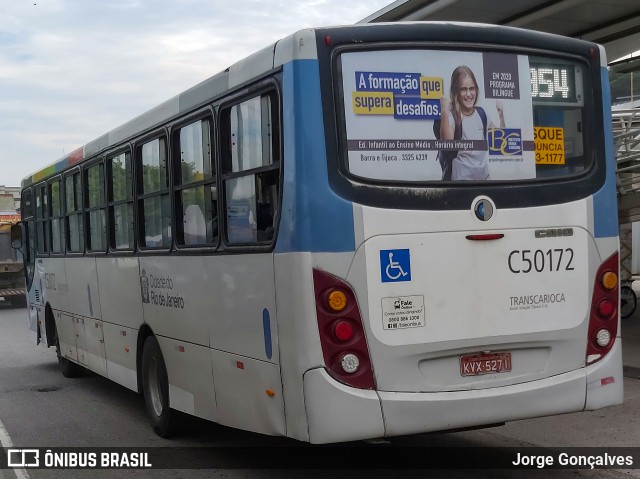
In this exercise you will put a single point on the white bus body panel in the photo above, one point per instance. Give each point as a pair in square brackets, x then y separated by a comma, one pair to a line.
[52, 282]
[339, 413]
[65, 325]
[82, 279]
[244, 341]
[605, 380]
[201, 315]
[81, 341]
[472, 300]
[120, 350]
[121, 305]
[239, 289]
[407, 413]
[204, 300]
[299, 339]
[199, 310]
[299, 46]
[176, 302]
[241, 393]
[96, 358]
[119, 280]
[190, 377]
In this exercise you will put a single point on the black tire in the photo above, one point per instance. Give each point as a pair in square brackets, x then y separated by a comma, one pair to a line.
[69, 369]
[155, 387]
[628, 301]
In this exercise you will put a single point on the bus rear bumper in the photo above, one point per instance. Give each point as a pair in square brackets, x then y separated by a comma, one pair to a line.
[411, 413]
[338, 413]
[605, 380]
[594, 387]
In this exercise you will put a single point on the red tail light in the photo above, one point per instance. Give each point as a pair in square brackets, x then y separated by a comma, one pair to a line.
[343, 330]
[603, 320]
[344, 346]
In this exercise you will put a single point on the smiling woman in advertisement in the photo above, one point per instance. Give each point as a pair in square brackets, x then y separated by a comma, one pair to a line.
[463, 120]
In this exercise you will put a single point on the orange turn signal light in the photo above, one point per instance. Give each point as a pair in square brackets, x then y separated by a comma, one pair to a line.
[609, 280]
[337, 300]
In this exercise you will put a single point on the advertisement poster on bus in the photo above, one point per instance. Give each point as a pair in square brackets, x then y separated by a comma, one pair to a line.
[425, 115]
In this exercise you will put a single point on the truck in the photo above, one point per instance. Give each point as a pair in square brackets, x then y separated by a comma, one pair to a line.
[12, 286]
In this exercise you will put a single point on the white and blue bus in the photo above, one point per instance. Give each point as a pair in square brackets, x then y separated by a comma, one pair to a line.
[357, 232]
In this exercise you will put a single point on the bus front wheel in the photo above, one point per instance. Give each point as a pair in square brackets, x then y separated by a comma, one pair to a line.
[155, 385]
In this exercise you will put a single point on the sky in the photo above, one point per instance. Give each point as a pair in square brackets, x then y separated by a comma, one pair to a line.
[72, 70]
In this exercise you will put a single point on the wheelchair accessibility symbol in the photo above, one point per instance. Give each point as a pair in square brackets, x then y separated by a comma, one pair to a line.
[395, 265]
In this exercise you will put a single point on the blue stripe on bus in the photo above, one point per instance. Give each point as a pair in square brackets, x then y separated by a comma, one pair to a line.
[314, 218]
[266, 326]
[605, 201]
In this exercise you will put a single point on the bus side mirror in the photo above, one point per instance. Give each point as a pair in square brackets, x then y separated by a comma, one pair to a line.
[16, 236]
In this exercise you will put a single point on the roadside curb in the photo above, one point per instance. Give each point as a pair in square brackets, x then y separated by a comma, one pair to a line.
[631, 372]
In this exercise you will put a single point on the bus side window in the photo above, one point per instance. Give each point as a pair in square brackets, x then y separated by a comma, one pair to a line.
[42, 215]
[96, 217]
[251, 170]
[57, 220]
[120, 195]
[153, 195]
[73, 204]
[267, 204]
[196, 201]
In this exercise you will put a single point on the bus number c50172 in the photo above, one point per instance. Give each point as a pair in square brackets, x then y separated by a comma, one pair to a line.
[528, 261]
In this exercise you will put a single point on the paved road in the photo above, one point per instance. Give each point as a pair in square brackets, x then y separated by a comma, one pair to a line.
[41, 408]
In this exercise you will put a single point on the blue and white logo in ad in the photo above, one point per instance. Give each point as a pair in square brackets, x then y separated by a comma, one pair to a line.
[395, 265]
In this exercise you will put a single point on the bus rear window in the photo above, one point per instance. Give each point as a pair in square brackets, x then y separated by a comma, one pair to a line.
[432, 116]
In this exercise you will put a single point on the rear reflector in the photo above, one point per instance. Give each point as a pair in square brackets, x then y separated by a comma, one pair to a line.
[342, 338]
[487, 237]
[603, 318]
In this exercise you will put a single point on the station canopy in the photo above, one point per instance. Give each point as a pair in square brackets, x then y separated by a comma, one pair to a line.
[612, 23]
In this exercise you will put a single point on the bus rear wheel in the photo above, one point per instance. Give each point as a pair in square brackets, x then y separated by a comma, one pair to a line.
[155, 386]
[628, 301]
